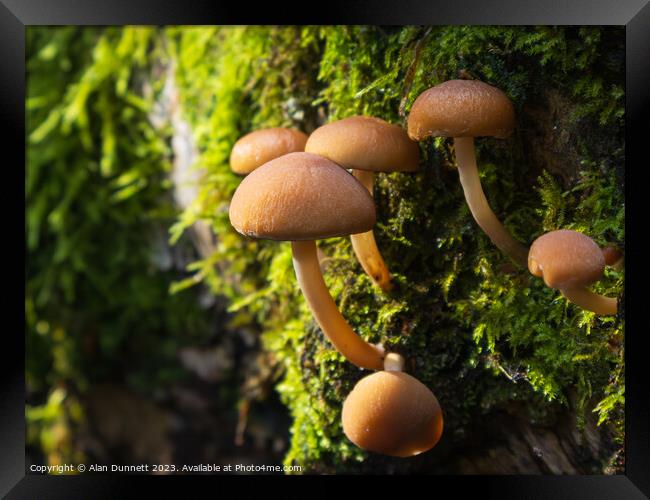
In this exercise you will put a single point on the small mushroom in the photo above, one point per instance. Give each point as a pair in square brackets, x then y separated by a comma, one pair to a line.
[464, 109]
[301, 197]
[366, 145]
[261, 146]
[392, 413]
[256, 148]
[570, 261]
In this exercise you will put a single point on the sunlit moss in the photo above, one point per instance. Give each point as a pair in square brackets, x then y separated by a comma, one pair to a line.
[98, 207]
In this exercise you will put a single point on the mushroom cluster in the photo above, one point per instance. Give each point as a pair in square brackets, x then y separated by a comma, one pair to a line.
[303, 188]
[464, 109]
[303, 197]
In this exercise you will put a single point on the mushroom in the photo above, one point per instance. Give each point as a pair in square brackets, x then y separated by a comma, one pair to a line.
[301, 197]
[261, 146]
[570, 261]
[464, 109]
[392, 413]
[366, 145]
[258, 147]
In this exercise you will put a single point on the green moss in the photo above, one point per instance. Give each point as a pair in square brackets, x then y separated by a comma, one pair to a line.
[97, 304]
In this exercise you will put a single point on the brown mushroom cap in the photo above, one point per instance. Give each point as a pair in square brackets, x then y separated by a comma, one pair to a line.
[461, 108]
[566, 259]
[301, 196]
[365, 143]
[255, 149]
[392, 413]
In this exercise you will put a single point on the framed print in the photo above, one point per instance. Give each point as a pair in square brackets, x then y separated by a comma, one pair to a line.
[390, 239]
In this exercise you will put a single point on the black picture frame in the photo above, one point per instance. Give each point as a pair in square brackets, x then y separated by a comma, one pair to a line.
[15, 15]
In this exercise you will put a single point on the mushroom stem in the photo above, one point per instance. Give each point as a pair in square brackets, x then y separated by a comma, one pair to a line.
[393, 362]
[365, 246]
[590, 301]
[478, 204]
[327, 315]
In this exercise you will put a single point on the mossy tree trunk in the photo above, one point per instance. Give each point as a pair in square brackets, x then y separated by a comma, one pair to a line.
[518, 371]
[528, 382]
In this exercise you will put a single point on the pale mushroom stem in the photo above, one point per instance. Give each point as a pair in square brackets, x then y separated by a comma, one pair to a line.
[345, 340]
[478, 204]
[393, 362]
[365, 246]
[590, 301]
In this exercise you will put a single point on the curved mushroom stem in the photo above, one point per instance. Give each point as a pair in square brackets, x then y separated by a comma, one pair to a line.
[478, 204]
[365, 246]
[393, 362]
[327, 315]
[590, 301]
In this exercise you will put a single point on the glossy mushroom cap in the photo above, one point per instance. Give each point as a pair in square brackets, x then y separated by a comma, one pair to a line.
[365, 143]
[392, 413]
[566, 259]
[461, 108]
[301, 196]
[255, 149]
